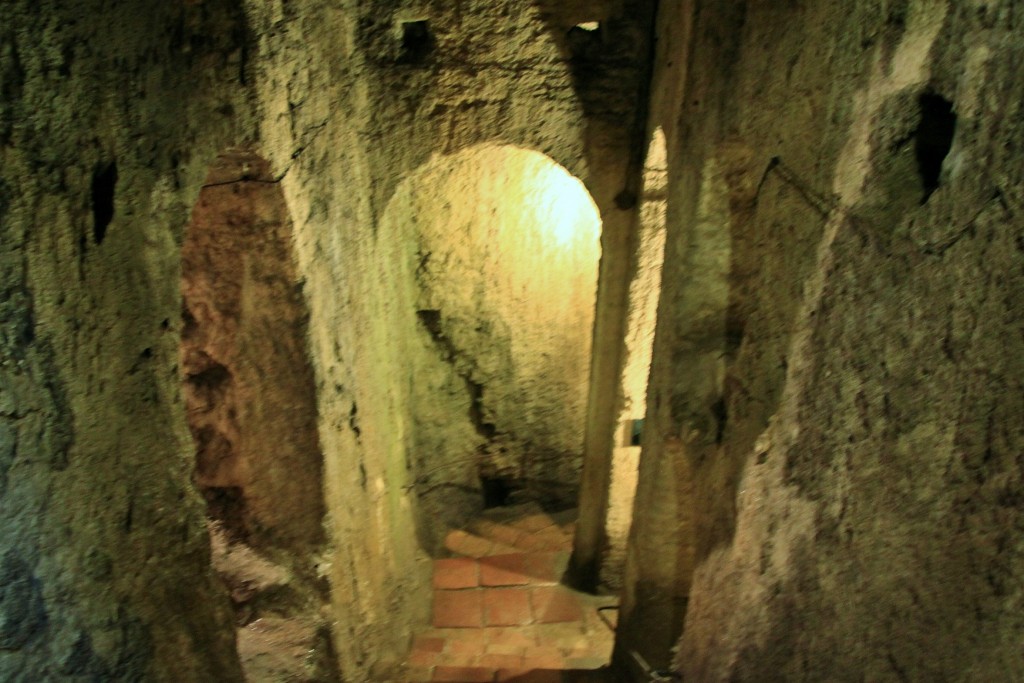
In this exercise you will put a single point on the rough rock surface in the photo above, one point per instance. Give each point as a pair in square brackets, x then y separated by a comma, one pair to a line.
[834, 437]
[248, 388]
[111, 114]
[104, 559]
[353, 101]
[493, 322]
[250, 405]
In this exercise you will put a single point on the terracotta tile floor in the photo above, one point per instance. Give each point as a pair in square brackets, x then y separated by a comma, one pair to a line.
[500, 613]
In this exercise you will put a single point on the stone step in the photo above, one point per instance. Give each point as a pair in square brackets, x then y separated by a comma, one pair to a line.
[551, 647]
[500, 612]
[511, 569]
[456, 674]
[523, 527]
[507, 606]
[466, 544]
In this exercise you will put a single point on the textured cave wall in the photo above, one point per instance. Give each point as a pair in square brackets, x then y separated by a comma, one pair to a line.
[249, 393]
[345, 101]
[250, 405]
[353, 100]
[104, 561]
[834, 433]
[497, 250]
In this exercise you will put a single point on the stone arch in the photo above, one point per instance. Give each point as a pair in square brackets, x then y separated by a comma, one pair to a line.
[497, 250]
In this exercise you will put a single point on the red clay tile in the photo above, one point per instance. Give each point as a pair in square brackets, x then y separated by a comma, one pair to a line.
[428, 643]
[507, 606]
[534, 523]
[505, 535]
[472, 643]
[504, 570]
[467, 544]
[510, 636]
[545, 567]
[456, 572]
[585, 662]
[528, 675]
[458, 609]
[418, 674]
[548, 660]
[423, 659]
[467, 659]
[463, 674]
[553, 604]
[549, 652]
[502, 661]
[494, 648]
[549, 539]
[464, 649]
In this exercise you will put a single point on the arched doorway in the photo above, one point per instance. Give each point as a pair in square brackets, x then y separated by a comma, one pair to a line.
[251, 408]
[495, 307]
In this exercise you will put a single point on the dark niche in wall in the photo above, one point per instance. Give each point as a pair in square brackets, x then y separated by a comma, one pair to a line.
[417, 42]
[497, 490]
[933, 139]
[104, 180]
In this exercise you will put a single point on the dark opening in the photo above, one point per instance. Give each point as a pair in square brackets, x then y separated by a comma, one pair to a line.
[496, 491]
[636, 432]
[226, 504]
[721, 414]
[933, 139]
[584, 40]
[416, 41]
[104, 179]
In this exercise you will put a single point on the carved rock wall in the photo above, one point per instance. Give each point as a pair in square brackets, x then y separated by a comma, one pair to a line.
[833, 427]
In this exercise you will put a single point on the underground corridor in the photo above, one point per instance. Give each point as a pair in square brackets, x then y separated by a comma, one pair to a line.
[497, 303]
[511, 341]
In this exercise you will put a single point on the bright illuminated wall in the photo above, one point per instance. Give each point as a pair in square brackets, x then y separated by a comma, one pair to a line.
[644, 291]
[502, 245]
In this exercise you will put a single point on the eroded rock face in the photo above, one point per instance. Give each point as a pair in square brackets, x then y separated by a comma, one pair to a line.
[501, 256]
[354, 101]
[103, 555]
[249, 393]
[834, 434]
[250, 404]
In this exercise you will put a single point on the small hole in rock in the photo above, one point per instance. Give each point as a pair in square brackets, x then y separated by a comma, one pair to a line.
[636, 432]
[104, 180]
[933, 139]
[497, 491]
[417, 42]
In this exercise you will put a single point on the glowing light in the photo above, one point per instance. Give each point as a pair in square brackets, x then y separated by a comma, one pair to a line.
[571, 213]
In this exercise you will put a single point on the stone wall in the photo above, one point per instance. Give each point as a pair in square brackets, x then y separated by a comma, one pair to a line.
[492, 325]
[354, 102]
[108, 119]
[249, 393]
[833, 435]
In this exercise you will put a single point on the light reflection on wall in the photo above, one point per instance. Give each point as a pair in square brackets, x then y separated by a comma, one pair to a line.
[507, 248]
[644, 293]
